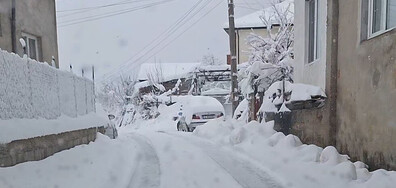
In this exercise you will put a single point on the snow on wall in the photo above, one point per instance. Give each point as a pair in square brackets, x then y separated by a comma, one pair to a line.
[29, 89]
[66, 94]
[81, 96]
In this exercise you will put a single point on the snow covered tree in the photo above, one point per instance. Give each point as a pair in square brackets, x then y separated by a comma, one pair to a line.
[155, 77]
[271, 56]
[115, 96]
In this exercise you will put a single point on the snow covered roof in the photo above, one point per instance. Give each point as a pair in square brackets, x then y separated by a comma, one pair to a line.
[214, 68]
[254, 20]
[165, 71]
[216, 91]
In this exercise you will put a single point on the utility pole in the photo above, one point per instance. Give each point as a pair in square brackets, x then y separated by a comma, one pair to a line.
[93, 88]
[13, 27]
[231, 33]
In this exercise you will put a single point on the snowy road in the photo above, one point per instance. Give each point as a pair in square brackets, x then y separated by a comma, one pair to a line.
[184, 160]
[147, 170]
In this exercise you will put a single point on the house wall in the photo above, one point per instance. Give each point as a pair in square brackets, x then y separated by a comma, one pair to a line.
[242, 46]
[37, 18]
[312, 126]
[360, 81]
[366, 91]
[5, 21]
[309, 73]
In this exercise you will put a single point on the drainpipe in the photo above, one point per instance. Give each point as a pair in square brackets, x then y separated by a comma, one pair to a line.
[332, 63]
[13, 27]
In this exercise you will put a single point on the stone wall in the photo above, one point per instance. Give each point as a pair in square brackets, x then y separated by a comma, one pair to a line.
[39, 148]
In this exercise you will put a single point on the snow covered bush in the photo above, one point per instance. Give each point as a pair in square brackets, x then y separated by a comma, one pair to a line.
[271, 57]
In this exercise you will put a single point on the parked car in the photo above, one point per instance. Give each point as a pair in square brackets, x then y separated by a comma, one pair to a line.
[197, 110]
[110, 129]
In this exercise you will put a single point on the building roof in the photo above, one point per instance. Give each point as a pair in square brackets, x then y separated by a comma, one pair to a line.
[255, 19]
[165, 71]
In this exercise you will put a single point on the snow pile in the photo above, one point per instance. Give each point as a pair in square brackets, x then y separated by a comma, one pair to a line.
[30, 89]
[15, 129]
[303, 165]
[103, 163]
[298, 91]
[294, 92]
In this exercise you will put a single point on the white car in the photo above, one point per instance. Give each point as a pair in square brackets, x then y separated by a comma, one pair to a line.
[197, 110]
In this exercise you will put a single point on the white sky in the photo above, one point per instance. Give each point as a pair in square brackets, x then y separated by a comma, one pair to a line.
[109, 42]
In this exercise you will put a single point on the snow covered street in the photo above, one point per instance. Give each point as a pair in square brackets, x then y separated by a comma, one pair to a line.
[219, 154]
[141, 159]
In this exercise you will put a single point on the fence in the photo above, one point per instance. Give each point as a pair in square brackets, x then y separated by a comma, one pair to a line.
[29, 89]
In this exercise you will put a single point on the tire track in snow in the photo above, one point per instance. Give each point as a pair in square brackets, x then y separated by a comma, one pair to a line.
[147, 171]
[247, 174]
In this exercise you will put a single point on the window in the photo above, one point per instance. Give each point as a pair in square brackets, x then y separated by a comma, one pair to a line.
[381, 15]
[31, 46]
[312, 6]
[1, 32]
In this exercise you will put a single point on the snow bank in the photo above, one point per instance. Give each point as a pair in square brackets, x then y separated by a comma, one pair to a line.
[15, 129]
[103, 163]
[30, 89]
[304, 165]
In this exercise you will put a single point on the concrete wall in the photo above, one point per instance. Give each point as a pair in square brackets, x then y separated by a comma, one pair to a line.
[366, 101]
[39, 148]
[35, 17]
[360, 81]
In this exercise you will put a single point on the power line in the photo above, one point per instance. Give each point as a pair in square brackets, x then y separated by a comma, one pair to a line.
[103, 6]
[106, 15]
[170, 42]
[182, 21]
[85, 10]
[168, 30]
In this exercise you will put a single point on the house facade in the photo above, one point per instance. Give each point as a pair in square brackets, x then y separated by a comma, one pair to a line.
[33, 21]
[258, 23]
[348, 48]
[244, 26]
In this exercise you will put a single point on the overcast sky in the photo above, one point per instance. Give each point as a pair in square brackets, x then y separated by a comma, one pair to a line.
[110, 36]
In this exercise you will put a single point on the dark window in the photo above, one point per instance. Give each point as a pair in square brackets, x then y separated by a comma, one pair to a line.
[32, 49]
[1, 32]
[312, 30]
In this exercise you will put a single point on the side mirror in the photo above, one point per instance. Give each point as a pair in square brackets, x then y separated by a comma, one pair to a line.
[111, 116]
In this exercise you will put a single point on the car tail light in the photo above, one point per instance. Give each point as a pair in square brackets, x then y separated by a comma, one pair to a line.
[220, 115]
[196, 117]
